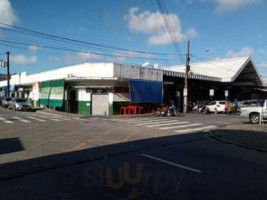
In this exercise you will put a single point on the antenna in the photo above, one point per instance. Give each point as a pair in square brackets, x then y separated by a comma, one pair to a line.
[145, 64]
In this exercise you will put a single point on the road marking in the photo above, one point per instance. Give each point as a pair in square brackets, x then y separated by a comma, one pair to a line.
[172, 163]
[167, 124]
[6, 121]
[182, 126]
[141, 119]
[152, 122]
[111, 120]
[56, 120]
[156, 122]
[196, 129]
[37, 119]
[22, 120]
[148, 121]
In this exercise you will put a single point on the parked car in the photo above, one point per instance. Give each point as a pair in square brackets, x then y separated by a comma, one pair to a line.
[254, 113]
[251, 103]
[19, 104]
[5, 102]
[216, 107]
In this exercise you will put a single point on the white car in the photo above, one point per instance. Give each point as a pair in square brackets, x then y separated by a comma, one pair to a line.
[216, 107]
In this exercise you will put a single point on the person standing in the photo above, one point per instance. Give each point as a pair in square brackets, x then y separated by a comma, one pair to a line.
[236, 105]
[226, 107]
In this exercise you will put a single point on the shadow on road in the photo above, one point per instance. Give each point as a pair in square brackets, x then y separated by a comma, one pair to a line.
[63, 176]
[10, 145]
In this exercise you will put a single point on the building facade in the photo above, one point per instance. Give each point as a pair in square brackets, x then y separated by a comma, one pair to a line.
[103, 88]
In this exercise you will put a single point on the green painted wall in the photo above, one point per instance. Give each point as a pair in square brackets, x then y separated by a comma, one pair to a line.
[83, 108]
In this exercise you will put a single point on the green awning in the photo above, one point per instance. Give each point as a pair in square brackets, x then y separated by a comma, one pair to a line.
[52, 93]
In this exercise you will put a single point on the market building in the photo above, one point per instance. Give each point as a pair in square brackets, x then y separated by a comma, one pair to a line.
[105, 88]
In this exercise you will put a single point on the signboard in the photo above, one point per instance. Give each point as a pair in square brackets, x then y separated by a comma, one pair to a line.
[52, 93]
[185, 92]
[226, 93]
[211, 92]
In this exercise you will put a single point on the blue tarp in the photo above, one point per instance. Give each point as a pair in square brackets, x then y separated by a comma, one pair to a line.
[146, 91]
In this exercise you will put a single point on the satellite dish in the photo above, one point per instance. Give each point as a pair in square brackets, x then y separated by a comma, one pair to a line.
[156, 65]
[145, 64]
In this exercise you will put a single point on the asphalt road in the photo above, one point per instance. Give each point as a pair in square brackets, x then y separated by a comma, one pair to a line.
[103, 159]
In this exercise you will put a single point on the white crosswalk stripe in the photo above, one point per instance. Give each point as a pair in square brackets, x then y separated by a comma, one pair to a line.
[204, 128]
[169, 124]
[147, 122]
[141, 119]
[6, 121]
[37, 119]
[181, 126]
[29, 119]
[22, 120]
[56, 120]
[52, 118]
[155, 122]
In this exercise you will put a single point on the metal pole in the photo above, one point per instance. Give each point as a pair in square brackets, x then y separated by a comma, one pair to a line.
[185, 93]
[8, 74]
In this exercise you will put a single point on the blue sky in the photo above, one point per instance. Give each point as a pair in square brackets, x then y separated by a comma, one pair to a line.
[216, 28]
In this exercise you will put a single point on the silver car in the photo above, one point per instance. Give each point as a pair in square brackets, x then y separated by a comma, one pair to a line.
[19, 104]
[5, 102]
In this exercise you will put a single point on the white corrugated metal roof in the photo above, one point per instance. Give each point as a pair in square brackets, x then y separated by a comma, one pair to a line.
[225, 69]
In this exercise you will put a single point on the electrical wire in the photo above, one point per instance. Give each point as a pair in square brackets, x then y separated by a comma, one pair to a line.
[31, 32]
[79, 51]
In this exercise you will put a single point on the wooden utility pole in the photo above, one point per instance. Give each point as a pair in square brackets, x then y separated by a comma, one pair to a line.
[8, 74]
[187, 68]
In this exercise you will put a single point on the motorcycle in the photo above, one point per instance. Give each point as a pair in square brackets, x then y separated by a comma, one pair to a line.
[172, 112]
[161, 112]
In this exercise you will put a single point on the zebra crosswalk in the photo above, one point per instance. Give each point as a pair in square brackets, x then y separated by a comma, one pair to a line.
[168, 124]
[29, 119]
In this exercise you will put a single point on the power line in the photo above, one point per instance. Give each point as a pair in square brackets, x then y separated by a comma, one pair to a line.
[169, 27]
[31, 32]
[79, 51]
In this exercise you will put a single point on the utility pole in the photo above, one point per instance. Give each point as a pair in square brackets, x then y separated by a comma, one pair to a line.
[185, 93]
[8, 74]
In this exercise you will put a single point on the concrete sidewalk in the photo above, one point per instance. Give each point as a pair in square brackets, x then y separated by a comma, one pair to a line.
[75, 115]
[247, 135]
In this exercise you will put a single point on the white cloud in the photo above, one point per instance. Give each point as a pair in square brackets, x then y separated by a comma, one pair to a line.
[83, 56]
[246, 51]
[34, 48]
[230, 5]
[124, 56]
[153, 25]
[23, 60]
[262, 66]
[7, 14]
[80, 57]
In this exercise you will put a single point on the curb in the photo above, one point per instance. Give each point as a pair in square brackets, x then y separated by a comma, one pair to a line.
[57, 115]
[212, 135]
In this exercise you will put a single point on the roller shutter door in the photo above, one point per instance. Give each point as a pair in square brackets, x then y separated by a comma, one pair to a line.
[100, 105]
